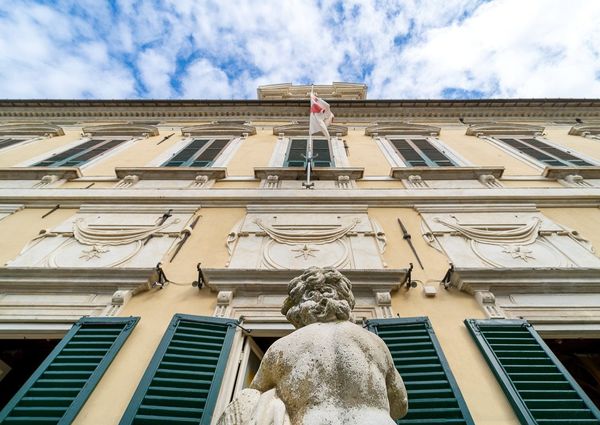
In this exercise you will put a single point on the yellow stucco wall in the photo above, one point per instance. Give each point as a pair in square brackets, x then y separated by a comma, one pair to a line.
[585, 220]
[255, 151]
[364, 152]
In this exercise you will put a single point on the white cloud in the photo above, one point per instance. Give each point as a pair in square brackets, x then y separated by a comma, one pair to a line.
[217, 49]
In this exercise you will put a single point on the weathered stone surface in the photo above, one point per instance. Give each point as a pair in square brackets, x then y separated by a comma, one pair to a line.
[330, 371]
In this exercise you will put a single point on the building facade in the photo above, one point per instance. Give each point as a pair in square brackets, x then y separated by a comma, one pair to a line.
[147, 247]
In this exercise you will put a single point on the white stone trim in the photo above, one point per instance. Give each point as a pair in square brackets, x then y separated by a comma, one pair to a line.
[225, 156]
[280, 152]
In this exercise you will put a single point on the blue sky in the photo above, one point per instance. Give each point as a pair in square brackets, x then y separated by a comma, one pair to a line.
[206, 49]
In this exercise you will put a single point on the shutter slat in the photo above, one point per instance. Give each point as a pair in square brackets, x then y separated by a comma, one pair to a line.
[433, 396]
[539, 388]
[182, 381]
[57, 389]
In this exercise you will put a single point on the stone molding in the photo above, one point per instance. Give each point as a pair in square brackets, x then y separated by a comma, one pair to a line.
[504, 129]
[75, 279]
[585, 129]
[317, 173]
[347, 91]
[220, 128]
[527, 280]
[76, 111]
[73, 198]
[31, 129]
[587, 172]
[396, 128]
[300, 128]
[172, 173]
[446, 173]
[134, 130]
[38, 173]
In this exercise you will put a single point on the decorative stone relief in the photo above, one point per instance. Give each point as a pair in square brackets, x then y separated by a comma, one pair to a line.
[199, 182]
[503, 236]
[490, 181]
[487, 300]
[108, 236]
[46, 181]
[575, 180]
[128, 181]
[416, 182]
[296, 237]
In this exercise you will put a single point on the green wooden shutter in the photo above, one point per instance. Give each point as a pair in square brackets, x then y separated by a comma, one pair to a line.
[58, 388]
[182, 381]
[321, 154]
[296, 154]
[537, 385]
[433, 395]
[10, 141]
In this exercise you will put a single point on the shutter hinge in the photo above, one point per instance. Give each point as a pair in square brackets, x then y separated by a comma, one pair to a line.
[237, 325]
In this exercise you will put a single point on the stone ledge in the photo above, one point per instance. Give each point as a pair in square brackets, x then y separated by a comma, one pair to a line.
[276, 281]
[589, 172]
[317, 173]
[171, 173]
[525, 280]
[74, 279]
[446, 173]
[37, 173]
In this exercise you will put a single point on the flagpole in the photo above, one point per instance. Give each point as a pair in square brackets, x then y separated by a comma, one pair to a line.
[309, 147]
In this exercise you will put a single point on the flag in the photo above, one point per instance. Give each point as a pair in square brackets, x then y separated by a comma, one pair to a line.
[320, 115]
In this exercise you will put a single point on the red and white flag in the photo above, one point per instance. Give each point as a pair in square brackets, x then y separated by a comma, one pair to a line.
[320, 115]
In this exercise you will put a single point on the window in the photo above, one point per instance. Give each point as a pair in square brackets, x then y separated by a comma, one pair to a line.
[296, 155]
[433, 395]
[198, 153]
[543, 152]
[183, 379]
[420, 152]
[58, 388]
[6, 141]
[81, 153]
[537, 385]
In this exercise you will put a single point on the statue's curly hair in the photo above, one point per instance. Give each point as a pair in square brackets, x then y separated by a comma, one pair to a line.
[316, 277]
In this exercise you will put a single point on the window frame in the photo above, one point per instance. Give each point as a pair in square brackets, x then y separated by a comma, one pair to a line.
[396, 160]
[330, 146]
[540, 165]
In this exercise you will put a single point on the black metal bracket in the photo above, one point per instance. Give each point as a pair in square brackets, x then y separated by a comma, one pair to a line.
[162, 279]
[57, 206]
[408, 282]
[237, 325]
[447, 277]
[201, 279]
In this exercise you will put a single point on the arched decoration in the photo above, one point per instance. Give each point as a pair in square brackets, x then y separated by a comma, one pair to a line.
[300, 128]
[389, 128]
[134, 130]
[31, 129]
[220, 128]
[504, 129]
[585, 129]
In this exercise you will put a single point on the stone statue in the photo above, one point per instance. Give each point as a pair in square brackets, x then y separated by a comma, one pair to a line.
[329, 371]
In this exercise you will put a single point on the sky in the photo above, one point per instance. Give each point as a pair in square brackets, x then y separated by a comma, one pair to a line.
[225, 49]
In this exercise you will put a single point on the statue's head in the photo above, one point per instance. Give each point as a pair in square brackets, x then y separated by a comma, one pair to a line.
[318, 295]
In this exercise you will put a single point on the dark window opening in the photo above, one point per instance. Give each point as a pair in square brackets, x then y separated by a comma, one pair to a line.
[420, 153]
[581, 357]
[19, 359]
[544, 152]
